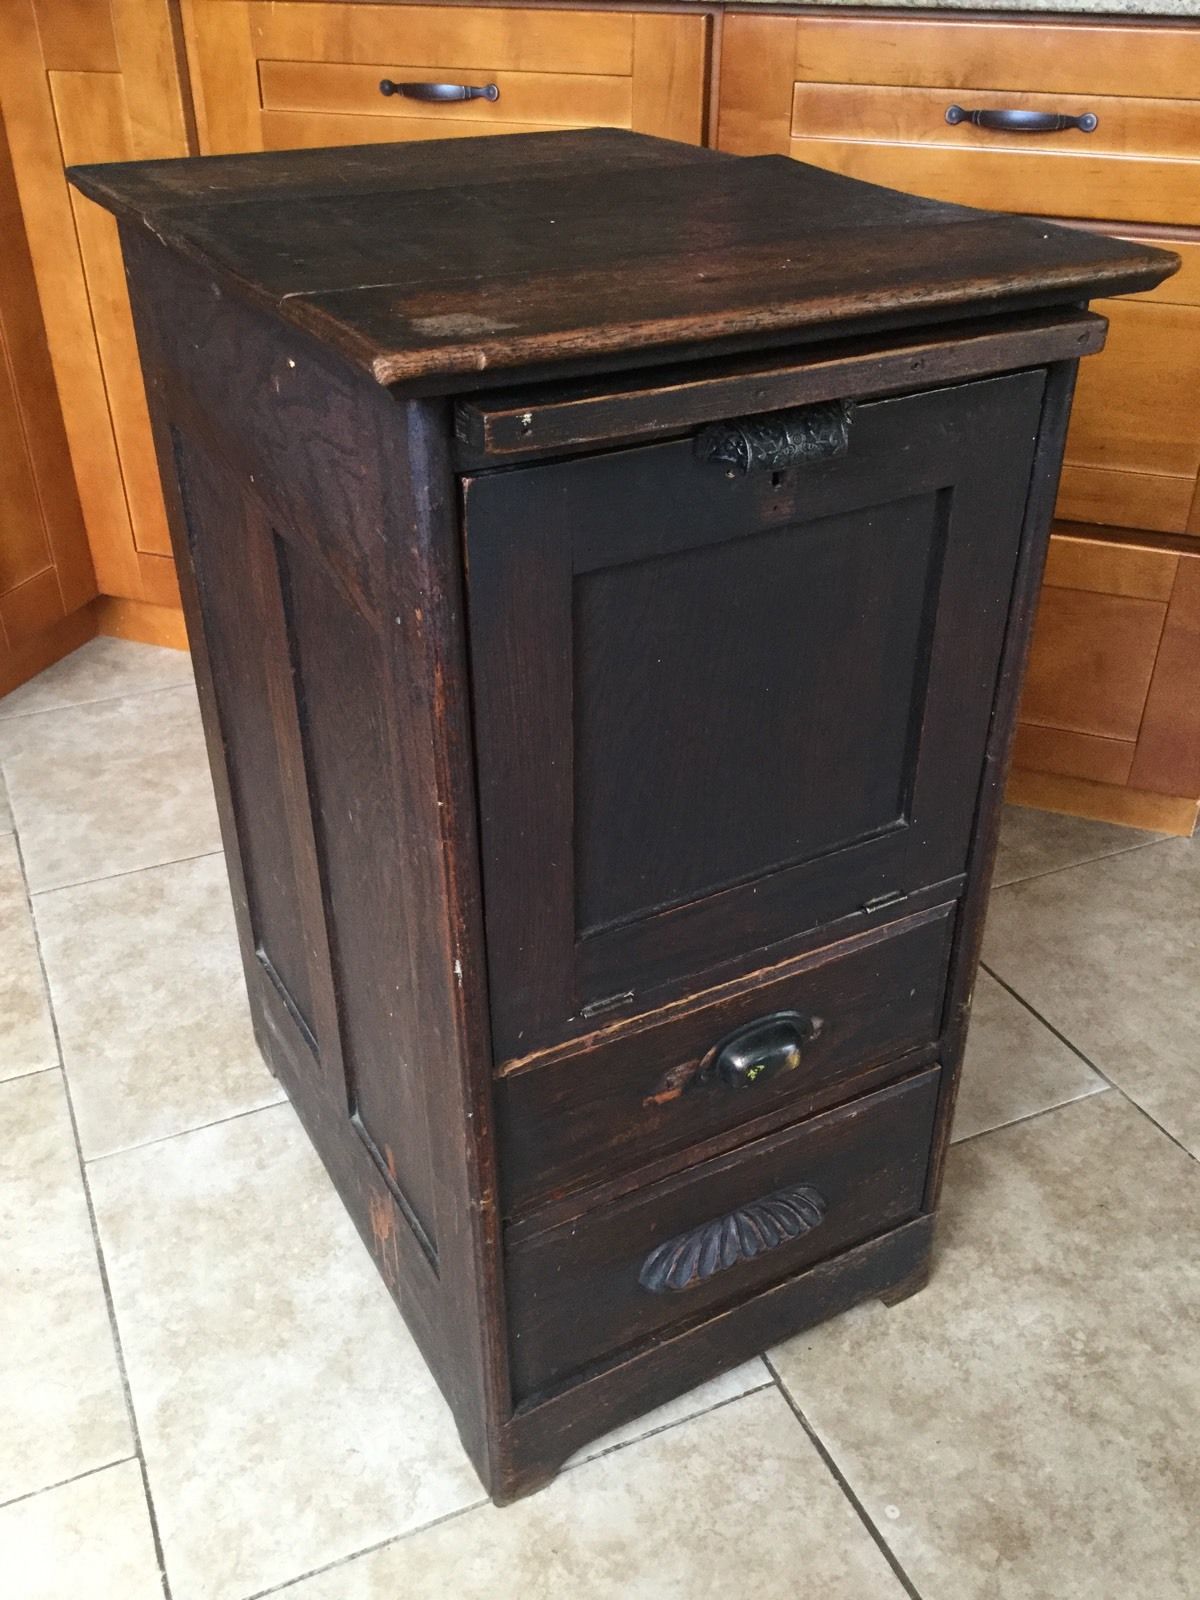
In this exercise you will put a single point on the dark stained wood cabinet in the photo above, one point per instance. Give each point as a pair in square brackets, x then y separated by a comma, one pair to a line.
[609, 566]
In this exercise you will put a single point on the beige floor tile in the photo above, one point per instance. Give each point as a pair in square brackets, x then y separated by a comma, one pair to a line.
[87, 1540]
[286, 1416]
[1033, 842]
[1029, 1425]
[6, 816]
[1109, 953]
[1014, 1065]
[26, 1032]
[102, 669]
[109, 787]
[62, 1408]
[727, 1386]
[147, 987]
[736, 1502]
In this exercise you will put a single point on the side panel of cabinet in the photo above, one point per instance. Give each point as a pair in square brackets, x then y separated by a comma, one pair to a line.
[46, 573]
[96, 84]
[321, 592]
[284, 76]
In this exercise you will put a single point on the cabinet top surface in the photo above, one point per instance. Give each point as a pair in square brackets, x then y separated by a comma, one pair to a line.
[435, 263]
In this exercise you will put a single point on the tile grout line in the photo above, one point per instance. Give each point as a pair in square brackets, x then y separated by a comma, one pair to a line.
[126, 872]
[1086, 861]
[114, 1329]
[62, 1483]
[1103, 1087]
[101, 700]
[843, 1484]
[182, 1133]
[1087, 1061]
[479, 1505]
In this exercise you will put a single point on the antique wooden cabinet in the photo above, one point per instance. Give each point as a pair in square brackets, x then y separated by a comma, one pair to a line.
[609, 566]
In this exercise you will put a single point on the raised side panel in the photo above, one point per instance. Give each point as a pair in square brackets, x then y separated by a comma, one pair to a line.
[340, 672]
[352, 555]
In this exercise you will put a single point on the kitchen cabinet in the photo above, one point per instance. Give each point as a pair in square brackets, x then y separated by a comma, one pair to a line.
[46, 577]
[269, 76]
[870, 97]
[97, 81]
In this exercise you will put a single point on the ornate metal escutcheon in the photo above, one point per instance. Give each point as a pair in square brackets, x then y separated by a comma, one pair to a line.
[777, 440]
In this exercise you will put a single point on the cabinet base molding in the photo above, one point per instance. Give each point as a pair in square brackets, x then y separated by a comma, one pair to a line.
[1104, 802]
[118, 618]
[42, 651]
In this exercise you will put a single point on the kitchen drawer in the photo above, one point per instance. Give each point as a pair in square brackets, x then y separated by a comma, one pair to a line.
[869, 97]
[635, 616]
[711, 1236]
[790, 1045]
[284, 76]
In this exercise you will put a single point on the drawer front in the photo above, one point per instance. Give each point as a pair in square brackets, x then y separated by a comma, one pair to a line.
[869, 98]
[590, 1288]
[784, 1049]
[286, 76]
[714, 712]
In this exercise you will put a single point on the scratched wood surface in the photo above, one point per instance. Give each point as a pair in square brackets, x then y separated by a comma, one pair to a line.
[453, 258]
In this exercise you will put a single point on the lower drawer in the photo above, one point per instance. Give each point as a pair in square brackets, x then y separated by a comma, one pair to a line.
[707, 1237]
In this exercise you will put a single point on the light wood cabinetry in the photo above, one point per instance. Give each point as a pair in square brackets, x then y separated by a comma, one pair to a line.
[1108, 720]
[46, 578]
[280, 76]
[82, 81]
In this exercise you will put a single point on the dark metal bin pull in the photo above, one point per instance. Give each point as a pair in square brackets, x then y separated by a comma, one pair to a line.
[761, 1225]
[759, 1050]
[441, 91]
[1023, 121]
[777, 440]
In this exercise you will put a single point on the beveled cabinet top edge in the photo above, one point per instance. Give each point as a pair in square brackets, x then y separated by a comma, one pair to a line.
[444, 261]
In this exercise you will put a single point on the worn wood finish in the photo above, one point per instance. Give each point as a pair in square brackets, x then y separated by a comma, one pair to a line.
[588, 607]
[389, 291]
[638, 1093]
[506, 426]
[865, 1161]
[738, 741]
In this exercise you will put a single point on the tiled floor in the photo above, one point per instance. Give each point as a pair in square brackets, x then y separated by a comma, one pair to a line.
[204, 1389]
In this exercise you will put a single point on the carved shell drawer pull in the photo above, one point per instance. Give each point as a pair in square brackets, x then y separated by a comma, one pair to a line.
[752, 1229]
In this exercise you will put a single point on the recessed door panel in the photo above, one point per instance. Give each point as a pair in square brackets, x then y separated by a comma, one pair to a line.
[715, 712]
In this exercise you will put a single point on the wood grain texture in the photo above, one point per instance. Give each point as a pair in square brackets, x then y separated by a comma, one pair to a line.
[1168, 747]
[867, 1161]
[86, 83]
[398, 303]
[1092, 661]
[1083, 755]
[45, 567]
[631, 1098]
[670, 656]
[1104, 802]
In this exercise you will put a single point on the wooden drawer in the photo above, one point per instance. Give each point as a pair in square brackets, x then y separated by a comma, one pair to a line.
[285, 76]
[650, 1089]
[868, 97]
[712, 1235]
